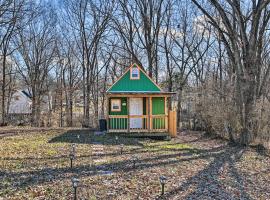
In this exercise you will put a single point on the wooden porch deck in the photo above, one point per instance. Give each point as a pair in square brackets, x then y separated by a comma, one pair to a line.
[152, 135]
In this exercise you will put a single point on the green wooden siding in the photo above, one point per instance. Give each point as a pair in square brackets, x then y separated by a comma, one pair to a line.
[125, 84]
[121, 123]
[118, 123]
[159, 123]
[158, 108]
[123, 106]
[158, 105]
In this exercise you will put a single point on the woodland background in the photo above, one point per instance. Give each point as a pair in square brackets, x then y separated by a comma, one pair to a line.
[215, 54]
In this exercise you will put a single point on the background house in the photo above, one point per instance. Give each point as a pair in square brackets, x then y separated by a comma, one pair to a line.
[20, 107]
[20, 103]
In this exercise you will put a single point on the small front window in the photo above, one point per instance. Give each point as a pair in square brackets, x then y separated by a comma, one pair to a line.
[135, 73]
[116, 105]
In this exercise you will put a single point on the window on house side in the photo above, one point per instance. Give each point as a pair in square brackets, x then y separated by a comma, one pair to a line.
[116, 105]
[135, 73]
[17, 98]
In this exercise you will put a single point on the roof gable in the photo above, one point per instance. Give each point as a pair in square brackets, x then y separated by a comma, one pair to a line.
[126, 84]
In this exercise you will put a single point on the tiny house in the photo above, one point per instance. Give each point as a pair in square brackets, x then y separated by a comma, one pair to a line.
[135, 103]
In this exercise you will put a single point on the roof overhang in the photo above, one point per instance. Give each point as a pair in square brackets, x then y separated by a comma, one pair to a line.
[139, 93]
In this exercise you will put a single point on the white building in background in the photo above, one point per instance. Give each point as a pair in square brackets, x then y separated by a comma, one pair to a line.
[21, 103]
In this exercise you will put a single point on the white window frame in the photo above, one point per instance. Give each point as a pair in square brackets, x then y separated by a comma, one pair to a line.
[116, 101]
[131, 70]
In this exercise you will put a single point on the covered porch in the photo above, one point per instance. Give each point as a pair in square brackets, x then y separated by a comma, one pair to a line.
[144, 112]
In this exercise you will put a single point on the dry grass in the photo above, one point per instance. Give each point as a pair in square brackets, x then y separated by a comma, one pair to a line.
[35, 165]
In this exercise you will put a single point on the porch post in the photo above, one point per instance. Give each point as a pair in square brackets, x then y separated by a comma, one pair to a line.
[128, 118]
[108, 112]
[166, 113]
[149, 112]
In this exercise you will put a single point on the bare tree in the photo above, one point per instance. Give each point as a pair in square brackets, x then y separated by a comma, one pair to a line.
[88, 21]
[10, 13]
[34, 56]
[185, 45]
[242, 28]
[71, 79]
[142, 25]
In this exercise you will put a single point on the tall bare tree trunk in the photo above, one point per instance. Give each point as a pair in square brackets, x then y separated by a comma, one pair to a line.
[34, 109]
[179, 108]
[3, 88]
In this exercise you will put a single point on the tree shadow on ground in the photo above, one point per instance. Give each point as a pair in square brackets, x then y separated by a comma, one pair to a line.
[45, 175]
[203, 136]
[90, 137]
[137, 151]
[208, 182]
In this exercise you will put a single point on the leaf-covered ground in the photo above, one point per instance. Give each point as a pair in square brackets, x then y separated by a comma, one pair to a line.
[35, 165]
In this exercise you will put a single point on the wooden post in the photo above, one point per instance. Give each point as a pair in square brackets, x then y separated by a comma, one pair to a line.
[147, 112]
[108, 112]
[128, 119]
[150, 114]
[172, 123]
[166, 113]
